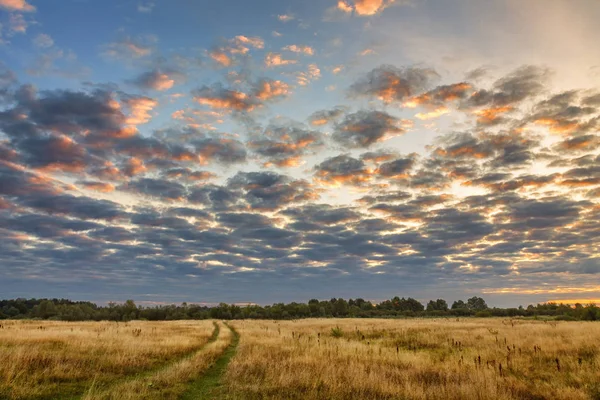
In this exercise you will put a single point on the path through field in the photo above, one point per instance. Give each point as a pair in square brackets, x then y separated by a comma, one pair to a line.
[209, 385]
[204, 368]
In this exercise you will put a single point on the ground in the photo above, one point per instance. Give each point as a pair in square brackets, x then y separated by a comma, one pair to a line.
[303, 359]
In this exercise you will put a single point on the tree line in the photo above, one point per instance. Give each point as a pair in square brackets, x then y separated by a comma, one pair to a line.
[67, 310]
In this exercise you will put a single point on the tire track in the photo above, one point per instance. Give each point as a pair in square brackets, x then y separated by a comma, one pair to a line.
[209, 384]
[150, 382]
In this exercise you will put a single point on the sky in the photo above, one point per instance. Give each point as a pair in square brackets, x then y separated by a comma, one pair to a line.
[275, 151]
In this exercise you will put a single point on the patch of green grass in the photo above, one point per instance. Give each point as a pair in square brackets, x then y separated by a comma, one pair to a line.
[209, 385]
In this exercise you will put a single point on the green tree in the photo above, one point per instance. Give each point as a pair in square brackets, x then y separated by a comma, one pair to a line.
[476, 304]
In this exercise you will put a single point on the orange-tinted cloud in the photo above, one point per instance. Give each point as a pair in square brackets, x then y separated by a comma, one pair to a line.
[16, 5]
[343, 170]
[438, 112]
[220, 98]
[558, 126]
[98, 186]
[134, 166]
[220, 57]
[309, 51]
[156, 80]
[364, 7]
[313, 73]
[269, 89]
[390, 84]
[491, 115]
[276, 60]
[140, 108]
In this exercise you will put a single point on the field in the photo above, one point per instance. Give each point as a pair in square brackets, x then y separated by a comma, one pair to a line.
[304, 359]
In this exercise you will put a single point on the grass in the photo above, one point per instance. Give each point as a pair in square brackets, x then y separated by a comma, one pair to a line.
[97, 391]
[339, 359]
[209, 385]
[54, 359]
[172, 381]
[415, 359]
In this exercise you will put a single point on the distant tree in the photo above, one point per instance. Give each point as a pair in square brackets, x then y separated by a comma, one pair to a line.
[459, 304]
[437, 305]
[47, 309]
[476, 304]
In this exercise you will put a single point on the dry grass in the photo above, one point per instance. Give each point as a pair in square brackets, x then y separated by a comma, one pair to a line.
[49, 360]
[169, 382]
[308, 359]
[416, 359]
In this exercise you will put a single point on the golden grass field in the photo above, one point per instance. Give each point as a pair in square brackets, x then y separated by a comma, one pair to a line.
[304, 359]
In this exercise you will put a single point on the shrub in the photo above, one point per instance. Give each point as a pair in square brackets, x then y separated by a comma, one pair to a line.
[337, 332]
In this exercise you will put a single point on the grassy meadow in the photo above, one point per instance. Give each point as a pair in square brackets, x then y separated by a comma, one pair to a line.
[304, 359]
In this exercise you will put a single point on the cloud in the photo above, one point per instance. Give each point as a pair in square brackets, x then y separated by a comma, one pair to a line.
[146, 7]
[396, 169]
[307, 50]
[364, 7]
[157, 188]
[53, 153]
[43, 41]
[128, 47]
[285, 144]
[313, 73]
[286, 17]
[342, 170]
[271, 191]
[214, 196]
[324, 117]
[16, 5]
[157, 79]
[218, 97]
[187, 174]
[364, 128]
[440, 96]
[390, 84]
[225, 151]
[97, 186]
[276, 60]
[241, 41]
[139, 109]
[220, 57]
[76, 206]
[17, 23]
[267, 89]
[507, 93]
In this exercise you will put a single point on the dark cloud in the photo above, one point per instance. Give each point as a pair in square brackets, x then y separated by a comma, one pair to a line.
[341, 170]
[47, 226]
[221, 98]
[157, 188]
[222, 150]
[271, 191]
[284, 145]
[53, 152]
[391, 84]
[323, 117]
[520, 84]
[70, 112]
[158, 79]
[77, 206]
[396, 169]
[214, 196]
[364, 128]
[322, 214]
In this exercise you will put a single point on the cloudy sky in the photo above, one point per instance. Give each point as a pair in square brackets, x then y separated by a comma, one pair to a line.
[266, 151]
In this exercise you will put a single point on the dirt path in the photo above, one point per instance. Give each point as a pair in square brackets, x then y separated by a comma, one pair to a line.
[103, 391]
[209, 384]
